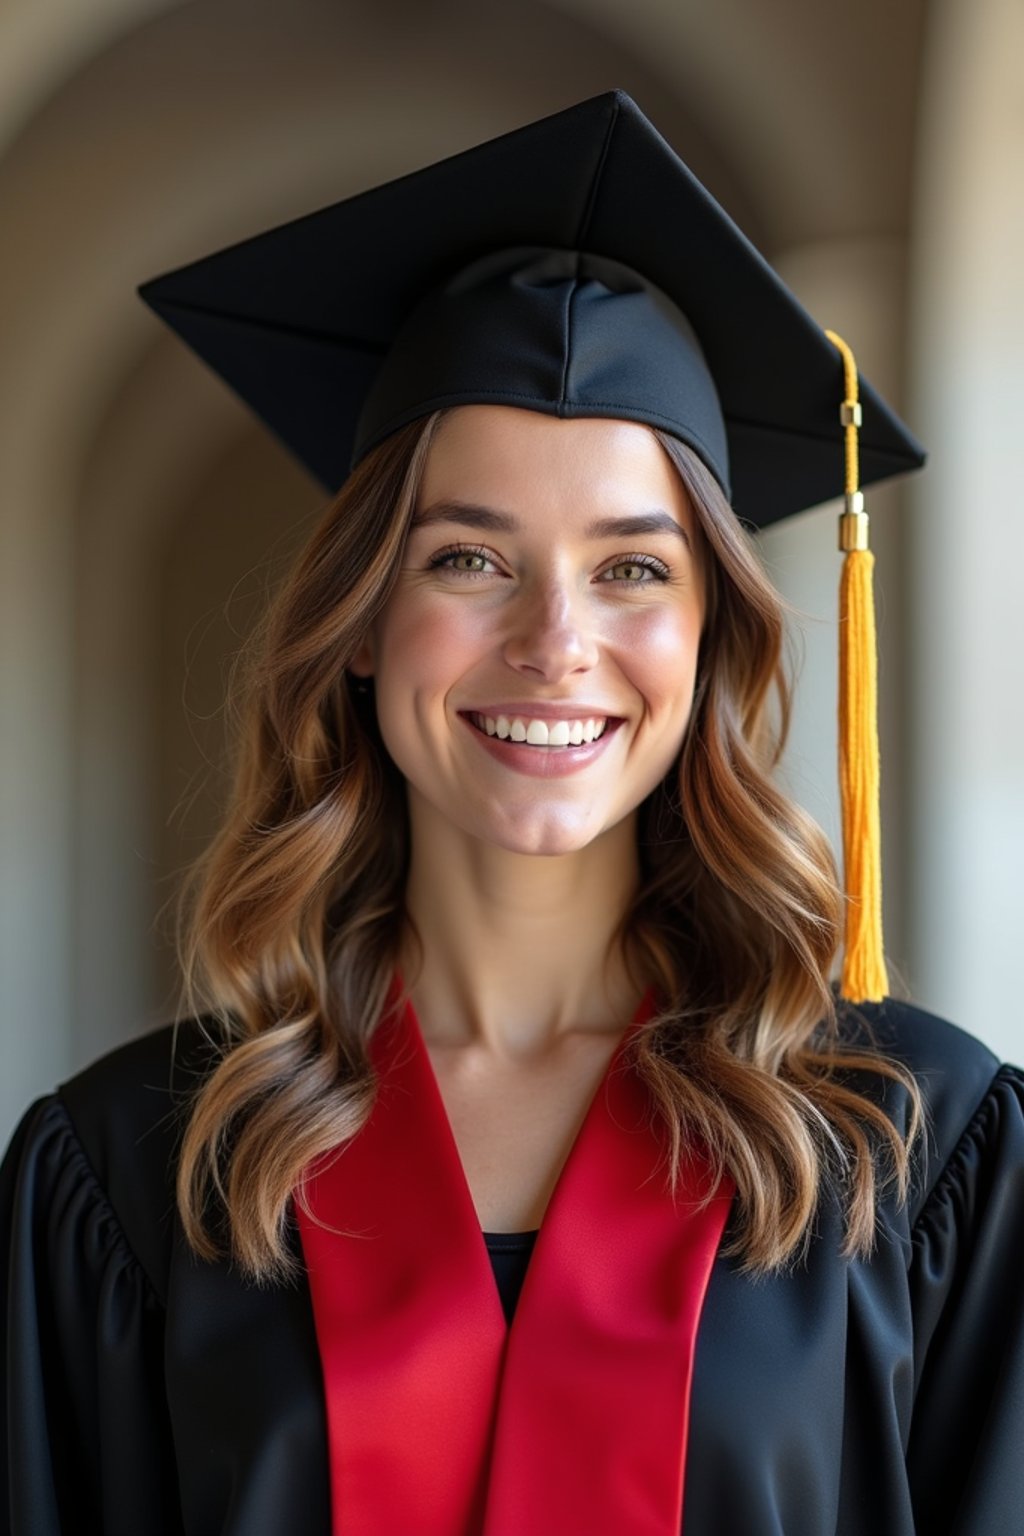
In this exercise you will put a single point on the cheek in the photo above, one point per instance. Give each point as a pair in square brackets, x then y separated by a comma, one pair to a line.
[662, 646]
[430, 644]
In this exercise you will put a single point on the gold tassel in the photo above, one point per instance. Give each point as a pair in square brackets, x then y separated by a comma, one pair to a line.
[864, 977]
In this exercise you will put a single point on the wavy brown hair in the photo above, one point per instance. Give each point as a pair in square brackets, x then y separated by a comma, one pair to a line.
[290, 925]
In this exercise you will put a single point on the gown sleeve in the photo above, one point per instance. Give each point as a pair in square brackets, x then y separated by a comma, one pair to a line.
[86, 1433]
[965, 1455]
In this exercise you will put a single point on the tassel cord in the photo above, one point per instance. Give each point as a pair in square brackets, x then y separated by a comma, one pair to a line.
[864, 977]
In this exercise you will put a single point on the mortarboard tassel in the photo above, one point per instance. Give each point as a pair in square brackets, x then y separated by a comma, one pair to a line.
[864, 977]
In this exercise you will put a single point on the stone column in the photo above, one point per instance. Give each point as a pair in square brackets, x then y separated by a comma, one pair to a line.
[967, 529]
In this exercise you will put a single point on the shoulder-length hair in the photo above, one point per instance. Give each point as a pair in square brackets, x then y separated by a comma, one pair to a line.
[290, 924]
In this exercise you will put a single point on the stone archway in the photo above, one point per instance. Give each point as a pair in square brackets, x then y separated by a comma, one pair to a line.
[168, 130]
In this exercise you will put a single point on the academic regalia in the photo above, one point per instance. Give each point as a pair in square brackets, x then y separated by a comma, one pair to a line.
[151, 1393]
[645, 1384]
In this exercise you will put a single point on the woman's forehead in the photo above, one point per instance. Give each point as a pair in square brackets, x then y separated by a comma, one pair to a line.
[519, 459]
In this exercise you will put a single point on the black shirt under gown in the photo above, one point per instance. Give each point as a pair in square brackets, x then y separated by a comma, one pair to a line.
[509, 1254]
[149, 1393]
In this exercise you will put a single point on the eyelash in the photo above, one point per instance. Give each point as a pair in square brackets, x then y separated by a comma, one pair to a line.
[659, 569]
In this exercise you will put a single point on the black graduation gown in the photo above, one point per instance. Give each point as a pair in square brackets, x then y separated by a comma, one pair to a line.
[149, 1393]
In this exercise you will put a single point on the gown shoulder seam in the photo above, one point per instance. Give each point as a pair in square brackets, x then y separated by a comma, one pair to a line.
[1005, 1072]
[76, 1152]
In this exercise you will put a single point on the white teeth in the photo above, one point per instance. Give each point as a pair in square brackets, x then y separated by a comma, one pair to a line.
[541, 733]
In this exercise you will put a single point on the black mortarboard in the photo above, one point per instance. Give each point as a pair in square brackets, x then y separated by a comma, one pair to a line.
[574, 266]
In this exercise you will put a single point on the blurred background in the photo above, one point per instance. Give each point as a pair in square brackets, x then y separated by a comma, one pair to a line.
[875, 154]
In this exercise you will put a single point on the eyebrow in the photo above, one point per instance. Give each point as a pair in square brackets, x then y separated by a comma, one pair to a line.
[469, 515]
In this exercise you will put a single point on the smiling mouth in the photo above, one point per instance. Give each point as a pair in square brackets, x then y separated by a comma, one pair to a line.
[542, 734]
[610, 724]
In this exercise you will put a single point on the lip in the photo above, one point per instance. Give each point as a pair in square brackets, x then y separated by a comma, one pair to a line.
[543, 762]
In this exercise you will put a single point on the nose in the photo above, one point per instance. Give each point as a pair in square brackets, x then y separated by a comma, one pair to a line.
[553, 631]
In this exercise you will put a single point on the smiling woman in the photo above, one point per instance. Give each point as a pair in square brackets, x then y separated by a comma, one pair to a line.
[514, 1166]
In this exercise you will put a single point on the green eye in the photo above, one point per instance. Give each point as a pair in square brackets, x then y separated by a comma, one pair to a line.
[440, 561]
[659, 571]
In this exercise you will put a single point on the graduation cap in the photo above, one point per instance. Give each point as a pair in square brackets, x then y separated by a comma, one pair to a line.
[578, 268]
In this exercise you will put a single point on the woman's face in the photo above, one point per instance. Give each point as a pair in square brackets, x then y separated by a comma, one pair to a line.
[512, 601]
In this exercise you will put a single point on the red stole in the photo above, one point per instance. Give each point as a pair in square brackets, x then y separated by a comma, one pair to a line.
[443, 1421]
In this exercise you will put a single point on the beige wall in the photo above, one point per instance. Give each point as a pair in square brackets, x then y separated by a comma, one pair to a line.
[965, 583]
[143, 511]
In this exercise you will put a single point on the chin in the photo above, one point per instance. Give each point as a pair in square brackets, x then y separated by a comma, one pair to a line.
[542, 840]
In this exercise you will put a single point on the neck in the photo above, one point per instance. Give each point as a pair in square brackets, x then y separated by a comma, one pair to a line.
[516, 949]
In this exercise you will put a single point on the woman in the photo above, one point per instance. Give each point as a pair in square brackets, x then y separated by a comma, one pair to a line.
[511, 951]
